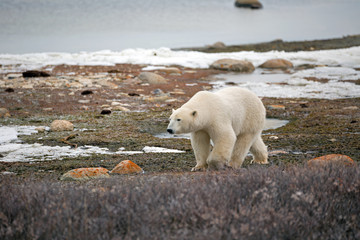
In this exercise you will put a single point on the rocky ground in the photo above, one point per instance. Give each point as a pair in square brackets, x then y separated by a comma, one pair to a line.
[117, 108]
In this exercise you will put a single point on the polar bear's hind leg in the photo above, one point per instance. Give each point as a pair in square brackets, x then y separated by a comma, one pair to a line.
[259, 151]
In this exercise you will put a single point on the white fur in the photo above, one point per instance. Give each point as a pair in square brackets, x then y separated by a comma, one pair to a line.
[233, 118]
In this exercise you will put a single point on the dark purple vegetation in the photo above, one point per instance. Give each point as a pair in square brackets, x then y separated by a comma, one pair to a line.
[253, 203]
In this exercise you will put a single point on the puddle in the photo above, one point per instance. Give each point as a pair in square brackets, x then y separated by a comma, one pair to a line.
[270, 123]
[13, 150]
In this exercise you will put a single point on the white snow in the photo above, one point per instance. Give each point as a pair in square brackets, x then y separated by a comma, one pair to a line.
[349, 57]
[12, 150]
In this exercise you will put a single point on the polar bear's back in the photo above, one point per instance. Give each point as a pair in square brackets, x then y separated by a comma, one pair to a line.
[245, 108]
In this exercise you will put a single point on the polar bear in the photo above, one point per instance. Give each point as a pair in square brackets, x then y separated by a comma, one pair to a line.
[233, 118]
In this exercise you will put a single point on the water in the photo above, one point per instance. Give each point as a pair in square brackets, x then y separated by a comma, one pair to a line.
[92, 25]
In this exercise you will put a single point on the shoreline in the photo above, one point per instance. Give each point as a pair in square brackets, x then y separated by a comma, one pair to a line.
[280, 45]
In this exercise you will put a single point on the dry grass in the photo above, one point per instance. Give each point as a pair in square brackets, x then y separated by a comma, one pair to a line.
[253, 203]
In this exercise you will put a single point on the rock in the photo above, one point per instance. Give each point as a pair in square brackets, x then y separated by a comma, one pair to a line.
[61, 125]
[121, 108]
[81, 174]
[278, 63]
[233, 65]
[9, 90]
[13, 76]
[84, 101]
[86, 92]
[351, 108]
[253, 4]
[105, 112]
[115, 104]
[40, 129]
[170, 70]
[281, 107]
[30, 74]
[4, 113]
[152, 78]
[126, 167]
[331, 158]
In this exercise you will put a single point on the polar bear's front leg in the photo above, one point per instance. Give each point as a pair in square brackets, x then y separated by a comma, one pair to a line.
[223, 147]
[200, 142]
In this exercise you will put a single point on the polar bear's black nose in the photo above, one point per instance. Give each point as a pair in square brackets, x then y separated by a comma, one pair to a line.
[170, 131]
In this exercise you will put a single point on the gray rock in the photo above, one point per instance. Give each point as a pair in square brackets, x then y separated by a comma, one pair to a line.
[233, 65]
[151, 78]
[61, 125]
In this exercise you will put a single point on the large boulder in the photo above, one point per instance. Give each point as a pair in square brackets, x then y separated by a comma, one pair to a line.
[61, 125]
[277, 63]
[253, 4]
[331, 159]
[233, 65]
[151, 78]
[81, 174]
[126, 167]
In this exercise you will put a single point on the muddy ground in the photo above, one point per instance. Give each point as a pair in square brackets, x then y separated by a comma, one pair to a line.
[317, 126]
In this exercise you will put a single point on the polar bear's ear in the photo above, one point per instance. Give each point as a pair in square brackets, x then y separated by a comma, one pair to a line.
[173, 110]
[194, 113]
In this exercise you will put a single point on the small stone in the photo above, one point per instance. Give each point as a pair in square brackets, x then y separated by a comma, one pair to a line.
[84, 101]
[233, 65]
[81, 174]
[351, 108]
[278, 63]
[86, 92]
[274, 137]
[152, 78]
[40, 129]
[281, 107]
[170, 70]
[331, 158]
[61, 125]
[13, 76]
[277, 152]
[105, 112]
[4, 113]
[115, 104]
[9, 90]
[121, 108]
[126, 167]
[85, 108]
[47, 109]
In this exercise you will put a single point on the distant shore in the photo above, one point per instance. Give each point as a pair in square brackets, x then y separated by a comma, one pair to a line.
[280, 45]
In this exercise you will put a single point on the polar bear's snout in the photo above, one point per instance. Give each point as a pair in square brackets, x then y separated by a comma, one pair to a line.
[169, 130]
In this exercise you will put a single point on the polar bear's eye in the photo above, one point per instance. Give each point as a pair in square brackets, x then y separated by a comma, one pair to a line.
[178, 119]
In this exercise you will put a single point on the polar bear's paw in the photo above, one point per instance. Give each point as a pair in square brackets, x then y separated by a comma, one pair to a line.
[198, 168]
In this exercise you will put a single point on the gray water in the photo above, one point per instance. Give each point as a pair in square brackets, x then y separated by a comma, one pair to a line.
[91, 25]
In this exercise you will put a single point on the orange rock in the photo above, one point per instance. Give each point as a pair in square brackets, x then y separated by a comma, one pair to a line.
[331, 158]
[126, 167]
[85, 174]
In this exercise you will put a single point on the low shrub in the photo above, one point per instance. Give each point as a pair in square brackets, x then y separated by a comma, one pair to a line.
[252, 203]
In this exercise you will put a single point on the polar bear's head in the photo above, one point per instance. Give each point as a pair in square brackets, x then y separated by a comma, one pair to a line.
[182, 120]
